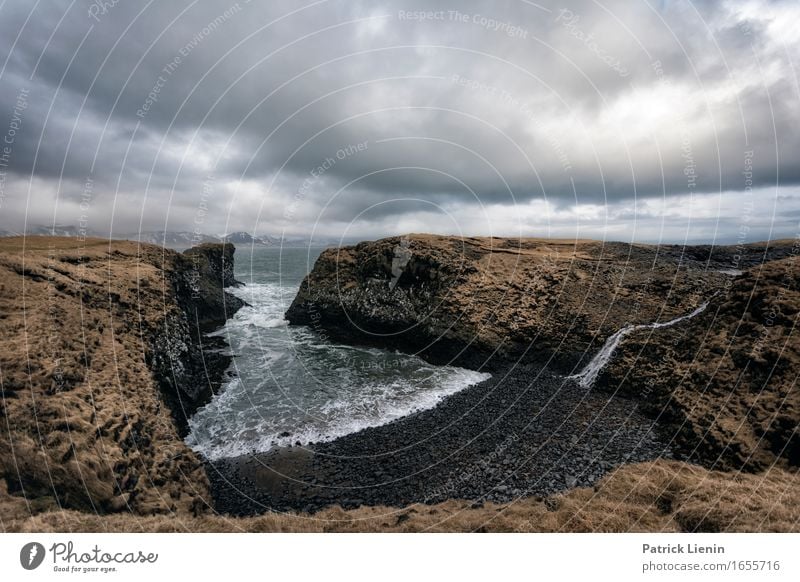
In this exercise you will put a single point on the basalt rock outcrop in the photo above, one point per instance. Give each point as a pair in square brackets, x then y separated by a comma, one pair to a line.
[207, 269]
[103, 357]
[187, 364]
[724, 384]
[480, 302]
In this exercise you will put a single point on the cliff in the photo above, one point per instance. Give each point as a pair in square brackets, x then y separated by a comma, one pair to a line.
[103, 359]
[187, 365]
[486, 301]
[724, 384]
[101, 348]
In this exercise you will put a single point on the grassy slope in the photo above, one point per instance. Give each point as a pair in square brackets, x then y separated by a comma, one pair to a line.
[84, 425]
[653, 497]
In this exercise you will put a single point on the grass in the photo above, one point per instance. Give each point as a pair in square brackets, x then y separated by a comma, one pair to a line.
[663, 496]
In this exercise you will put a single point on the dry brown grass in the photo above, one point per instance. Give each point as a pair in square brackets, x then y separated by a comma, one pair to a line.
[726, 381]
[664, 496]
[86, 426]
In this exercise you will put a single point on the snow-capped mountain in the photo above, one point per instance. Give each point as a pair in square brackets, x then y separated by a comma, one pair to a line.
[244, 238]
[179, 239]
[171, 238]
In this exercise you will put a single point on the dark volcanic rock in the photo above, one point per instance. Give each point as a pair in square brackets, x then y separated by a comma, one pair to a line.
[201, 281]
[187, 364]
[523, 433]
[482, 302]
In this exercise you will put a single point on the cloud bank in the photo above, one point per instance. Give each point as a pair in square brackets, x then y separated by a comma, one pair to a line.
[645, 120]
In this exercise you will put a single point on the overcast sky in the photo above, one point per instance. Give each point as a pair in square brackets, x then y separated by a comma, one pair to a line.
[625, 120]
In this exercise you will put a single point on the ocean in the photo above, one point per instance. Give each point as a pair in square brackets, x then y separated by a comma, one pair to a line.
[290, 385]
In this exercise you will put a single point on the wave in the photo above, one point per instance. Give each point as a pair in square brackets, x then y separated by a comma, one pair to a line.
[293, 386]
[267, 303]
[224, 429]
[266, 321]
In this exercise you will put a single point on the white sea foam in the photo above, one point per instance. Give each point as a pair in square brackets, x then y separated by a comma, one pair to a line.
[253, 317]
[222, 429]
[295, 387]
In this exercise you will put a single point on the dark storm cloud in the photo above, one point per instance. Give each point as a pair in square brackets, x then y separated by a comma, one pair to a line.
[459, 105]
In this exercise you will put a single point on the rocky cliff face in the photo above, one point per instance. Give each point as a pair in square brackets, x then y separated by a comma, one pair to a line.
[102, 359]
[722, 385]
[485, 301]
[92, 428]
[200, 276]
[187, 364]
[725, 383]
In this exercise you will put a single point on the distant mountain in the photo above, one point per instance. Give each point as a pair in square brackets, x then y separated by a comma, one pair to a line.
[171, 238]
[183, 239]
[48, 230]
[168, 238]
[244, 238]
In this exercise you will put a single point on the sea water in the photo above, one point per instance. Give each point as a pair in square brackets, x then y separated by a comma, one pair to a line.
[289, 384]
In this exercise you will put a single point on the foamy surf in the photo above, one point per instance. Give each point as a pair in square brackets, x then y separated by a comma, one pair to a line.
[291, 386]
[377, 405]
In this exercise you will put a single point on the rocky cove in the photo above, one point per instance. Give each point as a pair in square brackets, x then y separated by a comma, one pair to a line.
[533, 313]
[530, 443]
[524, 432]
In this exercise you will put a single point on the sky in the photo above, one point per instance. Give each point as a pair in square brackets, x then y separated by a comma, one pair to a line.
[651, 121]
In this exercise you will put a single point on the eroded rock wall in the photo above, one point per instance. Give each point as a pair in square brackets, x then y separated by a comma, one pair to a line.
[101, 359]
[487, 301]
[725, 383]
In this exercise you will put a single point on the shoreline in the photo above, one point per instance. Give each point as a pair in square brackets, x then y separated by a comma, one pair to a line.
[528, 455]
[529, 430]
[525, 432]
[526, 445]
